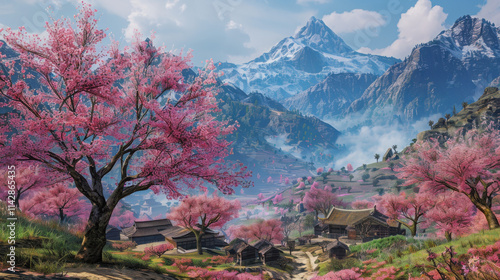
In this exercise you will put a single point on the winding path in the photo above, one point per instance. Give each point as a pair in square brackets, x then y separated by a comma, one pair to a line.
[304, 270]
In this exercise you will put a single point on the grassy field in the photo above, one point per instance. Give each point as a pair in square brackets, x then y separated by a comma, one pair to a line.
[405, 253]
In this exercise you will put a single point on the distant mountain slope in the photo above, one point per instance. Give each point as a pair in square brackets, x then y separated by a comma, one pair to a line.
[485, 109]
[440, 74]
[300, 61]
[331, 96]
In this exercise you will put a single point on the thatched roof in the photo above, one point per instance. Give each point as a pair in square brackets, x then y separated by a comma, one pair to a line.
[349, 217]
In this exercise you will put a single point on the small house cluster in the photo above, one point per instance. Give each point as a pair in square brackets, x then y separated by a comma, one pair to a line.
[143, 232]
[244, 253]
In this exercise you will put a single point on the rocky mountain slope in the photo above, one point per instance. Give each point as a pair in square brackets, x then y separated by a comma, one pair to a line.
[485, 110]
[300, 61]
[440, 74]
[331, 96]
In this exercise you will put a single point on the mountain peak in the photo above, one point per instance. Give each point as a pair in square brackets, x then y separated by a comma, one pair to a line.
[319, 36]
[471, 35]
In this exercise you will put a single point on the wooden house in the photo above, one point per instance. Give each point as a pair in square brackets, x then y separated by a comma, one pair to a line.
[246, 254]
[185, 239]
[364, 223]
[143, 232]
[337, 249]
[267, 251]
[112, 233]
[232, 248]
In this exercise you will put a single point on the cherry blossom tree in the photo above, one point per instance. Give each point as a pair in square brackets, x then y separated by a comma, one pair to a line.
[269, 179]
[121, 217]
[319, 170]
[277, 199]
[464, 166]
[320, 200]
[362, 204]
[199, 213]
[29, 179]
[59, 201]
[349, 167]
[301, 185]
[100, 111]
[453, 214]
[407, 210]
[270, 230]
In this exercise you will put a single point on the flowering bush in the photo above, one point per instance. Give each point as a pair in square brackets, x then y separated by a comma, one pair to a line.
[183, 265]
[346, 274]
[218, 260]
[122, 246]
[158, 250]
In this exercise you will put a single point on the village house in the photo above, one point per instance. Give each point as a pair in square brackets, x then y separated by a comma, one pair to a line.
[185, 239]
[112, 233]
[143, 232]
[242, 252]
[337, 249]
[267, 251]
[363, 224]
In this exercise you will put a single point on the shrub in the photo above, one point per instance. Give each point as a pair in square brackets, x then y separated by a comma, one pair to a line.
[158, 250]
[123, 246]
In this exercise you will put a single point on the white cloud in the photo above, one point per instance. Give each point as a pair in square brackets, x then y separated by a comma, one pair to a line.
[233, 25]
[354, 20]
[420, 24]
[184, 25]
[491, 11]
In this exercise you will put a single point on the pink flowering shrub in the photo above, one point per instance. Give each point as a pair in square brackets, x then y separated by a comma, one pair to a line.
[122, 246]
[183, 264]
[218, 260]
[346, 274]
[158, 250]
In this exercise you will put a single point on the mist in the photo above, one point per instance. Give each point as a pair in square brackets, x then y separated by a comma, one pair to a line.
[362, 144]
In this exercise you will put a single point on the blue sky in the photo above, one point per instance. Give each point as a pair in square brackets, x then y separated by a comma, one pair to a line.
[240, 30]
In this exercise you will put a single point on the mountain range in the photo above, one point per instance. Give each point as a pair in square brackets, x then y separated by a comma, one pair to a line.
[301, 61]
[453, 68]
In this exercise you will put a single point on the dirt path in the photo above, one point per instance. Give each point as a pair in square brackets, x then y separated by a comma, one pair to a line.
[303, 271]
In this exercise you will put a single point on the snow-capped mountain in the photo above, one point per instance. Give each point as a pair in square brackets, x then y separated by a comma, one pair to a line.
[332, 96]
[300, 61]
[437, 76]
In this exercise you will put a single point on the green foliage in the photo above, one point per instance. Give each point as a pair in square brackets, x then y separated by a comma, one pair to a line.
[309, 221]
[365, 177]
[380, 191]
[48, 267]
[380, 244]
[336, 264]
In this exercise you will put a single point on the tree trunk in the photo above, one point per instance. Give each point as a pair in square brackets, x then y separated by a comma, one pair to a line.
[198, 242]
[412, 228]
[94, 238]
[490, 217]
[61, 215]
[488, 213]
[447, 234]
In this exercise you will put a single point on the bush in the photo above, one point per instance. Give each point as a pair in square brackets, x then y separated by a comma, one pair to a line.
[158, 250]
[365, 177]
[336, 264]
[123, 246]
